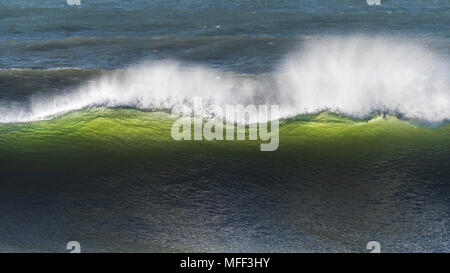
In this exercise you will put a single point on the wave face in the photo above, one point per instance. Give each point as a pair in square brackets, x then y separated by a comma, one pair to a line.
[119, 175]
[355, 76]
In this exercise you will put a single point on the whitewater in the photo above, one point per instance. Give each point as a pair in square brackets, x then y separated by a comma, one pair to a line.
[351, 75]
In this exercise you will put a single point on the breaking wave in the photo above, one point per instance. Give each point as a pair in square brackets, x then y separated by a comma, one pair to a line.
[355, 76]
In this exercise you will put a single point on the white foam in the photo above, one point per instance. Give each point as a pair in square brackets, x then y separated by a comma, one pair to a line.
[353, 75]
[360, 75]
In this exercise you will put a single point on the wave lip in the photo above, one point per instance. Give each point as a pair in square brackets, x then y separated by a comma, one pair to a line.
[355, 76]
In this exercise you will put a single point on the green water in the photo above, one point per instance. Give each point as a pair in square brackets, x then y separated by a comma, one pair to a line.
[115, 179]
[104, 130]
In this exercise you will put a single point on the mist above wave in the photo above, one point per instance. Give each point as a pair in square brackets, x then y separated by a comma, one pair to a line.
[360, 75]
[355, 76]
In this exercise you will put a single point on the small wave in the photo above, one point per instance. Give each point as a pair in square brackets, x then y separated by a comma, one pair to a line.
[355, 76]
[151, 42]
[45, 70]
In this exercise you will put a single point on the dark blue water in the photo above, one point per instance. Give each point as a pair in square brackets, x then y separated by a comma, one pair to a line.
[241, 36]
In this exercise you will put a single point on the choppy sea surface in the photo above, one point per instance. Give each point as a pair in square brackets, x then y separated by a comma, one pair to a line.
[86, 152]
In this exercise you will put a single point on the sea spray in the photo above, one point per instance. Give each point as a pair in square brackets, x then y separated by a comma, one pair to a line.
[355, 76]
[359, 75]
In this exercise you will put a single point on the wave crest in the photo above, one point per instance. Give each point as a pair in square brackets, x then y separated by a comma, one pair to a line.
[356, 76]
[361, 75]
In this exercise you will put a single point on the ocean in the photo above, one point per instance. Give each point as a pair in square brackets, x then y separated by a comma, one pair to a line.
[86, 152]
